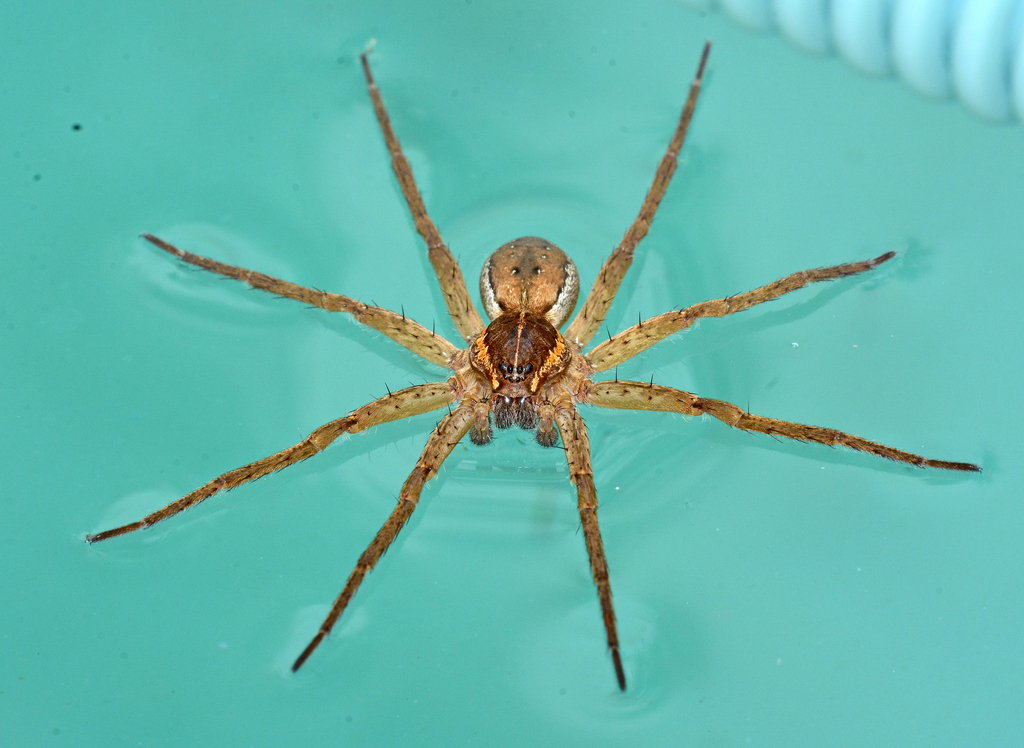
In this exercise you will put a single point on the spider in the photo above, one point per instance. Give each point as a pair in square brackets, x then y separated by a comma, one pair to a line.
[519, 370]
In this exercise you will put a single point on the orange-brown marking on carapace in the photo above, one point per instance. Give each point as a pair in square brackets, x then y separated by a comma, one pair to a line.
[518, 352]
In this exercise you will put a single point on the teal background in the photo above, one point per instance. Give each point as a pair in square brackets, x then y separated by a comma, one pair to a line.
[768, 593]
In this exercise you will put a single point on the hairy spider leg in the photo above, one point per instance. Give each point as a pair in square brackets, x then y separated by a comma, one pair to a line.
[453, 286]
[577, 453]
[401, 404]
[412, 335]
[601, 295]
[440, 444]
[643, 335]
[644, 396]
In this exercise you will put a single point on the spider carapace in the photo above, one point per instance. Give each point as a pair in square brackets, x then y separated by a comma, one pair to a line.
[519, 370]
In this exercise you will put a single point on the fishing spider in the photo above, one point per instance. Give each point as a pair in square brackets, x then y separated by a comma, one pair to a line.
[518, 370]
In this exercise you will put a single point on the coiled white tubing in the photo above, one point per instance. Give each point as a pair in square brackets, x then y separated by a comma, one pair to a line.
[973, 49]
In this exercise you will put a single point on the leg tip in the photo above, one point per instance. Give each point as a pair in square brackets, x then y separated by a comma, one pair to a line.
[620, 674]
[703, 59]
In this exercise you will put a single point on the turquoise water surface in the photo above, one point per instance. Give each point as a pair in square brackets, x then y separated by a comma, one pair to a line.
[768, 593]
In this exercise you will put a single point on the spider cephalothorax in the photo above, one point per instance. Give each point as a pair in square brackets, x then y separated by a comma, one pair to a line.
[518, 353]
[519, 370]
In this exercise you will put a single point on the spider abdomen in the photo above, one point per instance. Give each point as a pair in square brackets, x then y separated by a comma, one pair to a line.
[530, 275]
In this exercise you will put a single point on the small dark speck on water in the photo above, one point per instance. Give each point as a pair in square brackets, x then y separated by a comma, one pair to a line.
[76, 127]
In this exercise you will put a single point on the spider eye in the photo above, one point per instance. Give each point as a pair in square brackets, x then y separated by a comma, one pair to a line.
[537, 271]
[514, 271]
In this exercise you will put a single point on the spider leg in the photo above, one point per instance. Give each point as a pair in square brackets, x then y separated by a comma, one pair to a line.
[401, 404]
[398, 327]
[595, 308]
[440, 444]
[643, 335]
[453, 286]
[577, 452]
[644, 396]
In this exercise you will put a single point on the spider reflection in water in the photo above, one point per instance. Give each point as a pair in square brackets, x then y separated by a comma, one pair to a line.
[519, 370]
